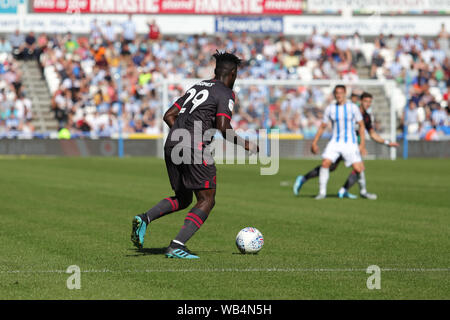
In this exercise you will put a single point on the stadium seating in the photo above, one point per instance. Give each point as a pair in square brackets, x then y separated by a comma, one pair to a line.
[85, 89]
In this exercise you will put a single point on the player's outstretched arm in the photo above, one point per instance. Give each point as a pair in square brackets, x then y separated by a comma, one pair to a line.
[171, 116]
[315, 147]
[376, 137]
[225, 128]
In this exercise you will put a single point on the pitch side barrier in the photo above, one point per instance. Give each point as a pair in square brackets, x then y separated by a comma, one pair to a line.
[290, 146]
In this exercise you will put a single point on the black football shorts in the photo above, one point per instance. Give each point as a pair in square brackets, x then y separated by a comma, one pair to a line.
[190, 176]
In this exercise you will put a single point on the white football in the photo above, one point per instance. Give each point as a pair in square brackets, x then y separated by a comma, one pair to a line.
[249, 240]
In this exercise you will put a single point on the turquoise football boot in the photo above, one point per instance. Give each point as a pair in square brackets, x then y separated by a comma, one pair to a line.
[138, 232]
[298, 185]
[177, 251]
[346, 194]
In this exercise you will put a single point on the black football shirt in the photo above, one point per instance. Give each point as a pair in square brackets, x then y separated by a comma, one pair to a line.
[199, 108]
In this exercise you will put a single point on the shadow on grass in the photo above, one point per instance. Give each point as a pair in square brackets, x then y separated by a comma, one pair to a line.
[147, 252]
[312, 196]
[162, 251]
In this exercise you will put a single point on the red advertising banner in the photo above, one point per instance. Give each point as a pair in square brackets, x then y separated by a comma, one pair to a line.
[219, 7]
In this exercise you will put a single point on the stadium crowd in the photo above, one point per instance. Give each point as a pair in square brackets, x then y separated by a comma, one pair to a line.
[423, 64]
[16, 112]
[90, 76]
[145, 61]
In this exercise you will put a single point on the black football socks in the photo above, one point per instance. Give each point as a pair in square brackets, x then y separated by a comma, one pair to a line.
[193, 221]
[352, 179]
[312, 174]
[164, 207]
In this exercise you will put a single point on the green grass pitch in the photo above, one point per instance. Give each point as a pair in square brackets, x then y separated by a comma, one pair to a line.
[60, 212]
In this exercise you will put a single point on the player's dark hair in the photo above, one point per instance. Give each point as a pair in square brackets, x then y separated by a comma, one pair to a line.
[366, 95]
[339, 86]
[225, 62]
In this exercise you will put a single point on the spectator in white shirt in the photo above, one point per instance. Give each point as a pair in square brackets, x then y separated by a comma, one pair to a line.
[109, 32]
[405, 59]
[418, 42]
[5, 46]
[407, 43]
[129, 29]
[326, 40]
[395, 69]
[342, 43]
[95, 30]
[443, 38]
[426, 53]
[438, 53]
[391, 42]
[412, 115]
[355, 44]
[17, 41]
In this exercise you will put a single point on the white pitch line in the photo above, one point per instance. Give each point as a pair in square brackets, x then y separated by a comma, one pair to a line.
[224, 270]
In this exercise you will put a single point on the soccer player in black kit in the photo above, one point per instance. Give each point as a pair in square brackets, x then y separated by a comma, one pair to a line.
[366, 102]
[207, 105]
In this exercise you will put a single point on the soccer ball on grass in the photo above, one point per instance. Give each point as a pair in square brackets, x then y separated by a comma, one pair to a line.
[249, 240]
